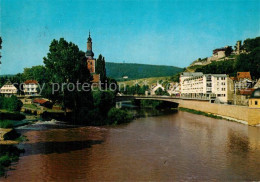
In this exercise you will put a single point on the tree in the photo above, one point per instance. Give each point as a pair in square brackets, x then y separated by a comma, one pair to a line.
[228, 51]
[14, 104]
[11, 104]
[251, 44]
[36, 73]
[0, 48]
[101, 68]
[160, 91]
[66, 65]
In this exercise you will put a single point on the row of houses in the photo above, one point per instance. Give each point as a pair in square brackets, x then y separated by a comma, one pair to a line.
[217, 88]
[30, 87]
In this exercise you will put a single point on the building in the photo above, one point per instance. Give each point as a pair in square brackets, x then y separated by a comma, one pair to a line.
[91, 61]
[8, 89]
[174, 90]
[30, 87]
[155, 88]
[257, 85]
[242, 96]
[254, 101]
[242, 88]
[242, 81]
[217, 87]
[219, 54]
[186, 75]
[238, 47]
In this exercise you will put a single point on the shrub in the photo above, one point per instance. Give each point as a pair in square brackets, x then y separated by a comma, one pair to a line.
[11, 116]
[11, 104]
[5, 124]
[104, 101]
[119, 116]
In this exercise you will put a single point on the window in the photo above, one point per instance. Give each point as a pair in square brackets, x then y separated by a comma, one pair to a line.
[256, 103]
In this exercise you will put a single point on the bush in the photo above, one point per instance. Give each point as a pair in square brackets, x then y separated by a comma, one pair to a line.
[8, 154]
[12, 135]
[5, 124]
[150, 103]
[119, 116]
[11, 116]
[104, 101]
[11, 104]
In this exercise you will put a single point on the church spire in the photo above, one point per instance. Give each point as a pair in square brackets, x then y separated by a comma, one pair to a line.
[89, 38]
[89, 52]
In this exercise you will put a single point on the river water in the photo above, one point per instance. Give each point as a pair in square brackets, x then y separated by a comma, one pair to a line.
[175, 147]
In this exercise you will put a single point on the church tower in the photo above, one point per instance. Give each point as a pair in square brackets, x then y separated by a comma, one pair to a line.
[91, 61]
[89, 53]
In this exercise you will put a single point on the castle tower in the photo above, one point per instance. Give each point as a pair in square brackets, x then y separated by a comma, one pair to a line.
[238, 47]
[89, 53]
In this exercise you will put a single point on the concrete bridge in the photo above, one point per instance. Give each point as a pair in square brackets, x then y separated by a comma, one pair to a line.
[160, 98]
[242, 114]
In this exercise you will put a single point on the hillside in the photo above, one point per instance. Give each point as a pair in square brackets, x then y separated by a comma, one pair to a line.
[137, 71]
[146, 81]
[247, 60]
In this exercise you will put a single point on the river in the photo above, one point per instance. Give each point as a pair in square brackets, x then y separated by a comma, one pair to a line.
[173, 147]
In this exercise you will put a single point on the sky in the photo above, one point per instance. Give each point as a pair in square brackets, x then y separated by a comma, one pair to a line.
[165, 32]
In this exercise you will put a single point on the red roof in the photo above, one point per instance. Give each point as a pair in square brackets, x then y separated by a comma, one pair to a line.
[31, 81]
[247, 91]
[219, 49]
[243, 75]
[40, 101]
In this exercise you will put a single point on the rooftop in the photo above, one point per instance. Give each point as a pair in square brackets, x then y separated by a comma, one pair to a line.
[241, 75]
[30, 81]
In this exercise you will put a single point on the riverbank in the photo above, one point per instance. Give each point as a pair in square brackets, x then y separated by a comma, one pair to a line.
[211, 115]
[241, 114]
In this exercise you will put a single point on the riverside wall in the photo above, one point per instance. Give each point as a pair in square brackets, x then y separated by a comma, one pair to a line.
[243, 113]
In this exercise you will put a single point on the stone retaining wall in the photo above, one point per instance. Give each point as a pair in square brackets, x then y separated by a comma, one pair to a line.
[244, 113]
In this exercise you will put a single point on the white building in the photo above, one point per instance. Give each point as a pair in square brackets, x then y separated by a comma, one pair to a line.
[174, 90]
[186, 75]
[208, 86]
[8, 89]
[153, 90]
[30, 87]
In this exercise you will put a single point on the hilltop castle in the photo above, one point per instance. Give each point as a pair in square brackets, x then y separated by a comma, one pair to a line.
[91, 61]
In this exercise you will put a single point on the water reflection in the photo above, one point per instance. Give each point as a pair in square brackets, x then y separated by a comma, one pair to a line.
[58, 147]
[174, 147]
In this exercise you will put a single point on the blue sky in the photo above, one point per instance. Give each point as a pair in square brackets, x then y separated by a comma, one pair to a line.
[150, 32]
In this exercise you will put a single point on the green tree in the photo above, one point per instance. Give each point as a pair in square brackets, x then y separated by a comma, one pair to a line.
[11, 104]
[14, 104]
[119, 116]
[104, 100]
[160, 91]
[66, 65]
[0, 48]
[101, 68]
[228, 51]
[36, 73]
[251, 44]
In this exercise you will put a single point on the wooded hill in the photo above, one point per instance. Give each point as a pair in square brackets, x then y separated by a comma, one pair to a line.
[137, 71]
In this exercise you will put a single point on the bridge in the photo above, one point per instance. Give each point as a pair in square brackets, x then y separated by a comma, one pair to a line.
[242, 114]
[160, 98]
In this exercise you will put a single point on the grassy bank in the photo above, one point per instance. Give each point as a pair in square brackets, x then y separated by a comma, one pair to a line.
[199, 113]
